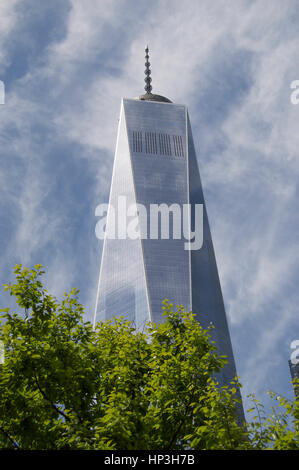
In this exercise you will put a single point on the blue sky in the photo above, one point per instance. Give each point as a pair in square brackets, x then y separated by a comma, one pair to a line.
[66, 64]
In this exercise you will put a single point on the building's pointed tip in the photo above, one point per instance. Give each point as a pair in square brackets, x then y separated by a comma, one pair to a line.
[148, 96]
[148, 87]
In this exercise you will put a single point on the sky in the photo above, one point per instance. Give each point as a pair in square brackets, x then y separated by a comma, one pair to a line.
[66, 64]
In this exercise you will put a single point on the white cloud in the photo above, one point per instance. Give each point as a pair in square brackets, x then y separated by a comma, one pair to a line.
[9, 18]
[267, 356]
[249, 160]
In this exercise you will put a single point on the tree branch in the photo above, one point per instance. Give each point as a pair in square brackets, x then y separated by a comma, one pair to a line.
[48, 399]
[176, 433]
[15, 444]
[174, 437]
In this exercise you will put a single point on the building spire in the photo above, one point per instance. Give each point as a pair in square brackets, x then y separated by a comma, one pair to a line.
[148, 96]
[148, 87]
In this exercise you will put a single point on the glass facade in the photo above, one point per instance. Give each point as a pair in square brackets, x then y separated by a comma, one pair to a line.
[122, 288]
[207, 300]
[160, 175]
[155, 163]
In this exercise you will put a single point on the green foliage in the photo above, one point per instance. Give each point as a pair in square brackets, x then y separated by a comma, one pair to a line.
[279, 431]
[67, 385]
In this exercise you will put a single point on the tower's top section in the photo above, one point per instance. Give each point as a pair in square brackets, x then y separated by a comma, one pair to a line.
[149, 96]
[148, 86]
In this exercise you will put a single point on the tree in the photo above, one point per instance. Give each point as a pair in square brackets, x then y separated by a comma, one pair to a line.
[280, 430]
[67, 385]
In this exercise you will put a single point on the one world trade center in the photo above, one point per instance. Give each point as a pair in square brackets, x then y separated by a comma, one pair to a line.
[155, 165]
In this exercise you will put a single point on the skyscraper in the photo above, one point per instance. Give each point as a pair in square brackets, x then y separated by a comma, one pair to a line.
[155, 165]
[294, 369]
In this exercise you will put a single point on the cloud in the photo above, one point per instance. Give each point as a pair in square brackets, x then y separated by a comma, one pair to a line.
[9, 17]
[232, 63]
